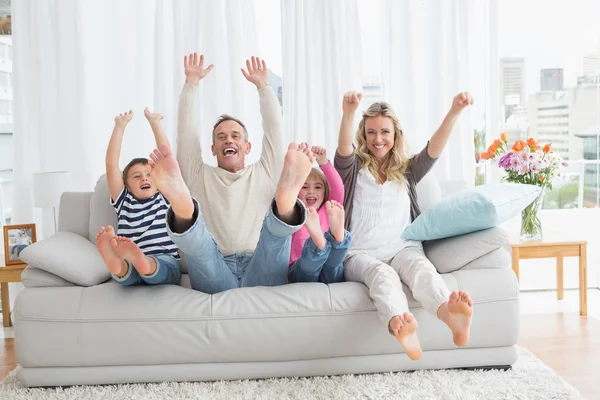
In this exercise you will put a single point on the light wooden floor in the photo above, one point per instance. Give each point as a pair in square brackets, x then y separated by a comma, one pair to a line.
[567, 343]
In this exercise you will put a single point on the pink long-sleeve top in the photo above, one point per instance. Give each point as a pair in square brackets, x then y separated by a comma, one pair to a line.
[336, 193]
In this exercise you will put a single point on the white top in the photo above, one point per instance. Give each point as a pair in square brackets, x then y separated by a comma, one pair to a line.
[379, 216]
[233, 205]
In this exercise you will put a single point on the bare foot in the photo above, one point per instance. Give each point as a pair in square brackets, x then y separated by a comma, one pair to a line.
[335, 211]
[404, 327]
[167, 177]
[130, 251]
[313, 224]
[460, 309]
[114, 263]
[296, 167]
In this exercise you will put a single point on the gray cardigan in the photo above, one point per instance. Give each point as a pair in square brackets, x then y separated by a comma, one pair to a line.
[349, 166]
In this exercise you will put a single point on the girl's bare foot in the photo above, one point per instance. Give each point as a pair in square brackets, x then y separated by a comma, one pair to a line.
[460, 310]
[130, 251]
[296, 167]
[114, 263]
[313, 224]
[404, 327]
[336, 213]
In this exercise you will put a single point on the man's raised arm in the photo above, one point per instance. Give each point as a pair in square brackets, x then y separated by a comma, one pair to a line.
[273, 144]
[189, 152]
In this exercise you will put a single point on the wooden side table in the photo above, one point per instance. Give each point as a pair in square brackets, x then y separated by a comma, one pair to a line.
[11, 273]
[558, 250]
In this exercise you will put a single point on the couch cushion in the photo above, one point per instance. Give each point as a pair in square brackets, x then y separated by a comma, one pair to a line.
[481, 207]
[102, 212]
[35, 277]
[114, 325]
[68, 256]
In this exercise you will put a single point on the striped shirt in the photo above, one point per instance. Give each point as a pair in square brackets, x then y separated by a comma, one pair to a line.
[143, 221]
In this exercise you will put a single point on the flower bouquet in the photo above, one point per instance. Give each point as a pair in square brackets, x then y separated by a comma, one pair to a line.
[527, 163]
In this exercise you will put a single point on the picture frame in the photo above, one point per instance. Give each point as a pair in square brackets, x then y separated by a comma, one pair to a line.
[16, 238]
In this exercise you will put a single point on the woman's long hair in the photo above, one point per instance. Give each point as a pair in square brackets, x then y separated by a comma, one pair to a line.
[396, 161]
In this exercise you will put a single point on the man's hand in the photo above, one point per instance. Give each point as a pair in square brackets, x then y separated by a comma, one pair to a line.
[124, 118]
[194, 68]
[320, 155]
[461, 100]
[351, 102]
[152, 117]
[257, 72]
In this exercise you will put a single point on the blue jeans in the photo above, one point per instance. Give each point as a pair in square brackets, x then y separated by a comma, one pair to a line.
[168, 272]
[324, 265]
[211, 272]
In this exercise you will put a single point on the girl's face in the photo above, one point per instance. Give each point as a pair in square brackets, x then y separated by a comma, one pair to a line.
[379, 132]
[312, 193]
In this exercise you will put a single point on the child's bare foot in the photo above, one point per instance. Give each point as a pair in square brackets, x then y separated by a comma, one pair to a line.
[167, 177]
[460, 309]
[313, 224]
[404, 327]
[130, 251]
[114, 263]
[335, 211]
[296, 167]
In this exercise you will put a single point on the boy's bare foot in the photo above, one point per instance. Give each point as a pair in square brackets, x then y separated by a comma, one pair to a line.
[167, 177]
[313, 224]
[114, 263]
[460, 309]
[130, 251]
[296, 167]
[404, 327]
[336, 213]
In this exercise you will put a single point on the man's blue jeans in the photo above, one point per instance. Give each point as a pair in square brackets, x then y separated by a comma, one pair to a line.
[321, 265]
[211, 272]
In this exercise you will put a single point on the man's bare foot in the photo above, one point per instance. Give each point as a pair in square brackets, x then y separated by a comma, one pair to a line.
[313, 224]
[336, 213]
[167, 177]
[296, 167]
[460, 309]
[404, 327]
[114, 263]
[130, 251]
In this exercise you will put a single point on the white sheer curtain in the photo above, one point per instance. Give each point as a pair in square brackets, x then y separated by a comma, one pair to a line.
[78, 64]
[321, 61]
[426, 50]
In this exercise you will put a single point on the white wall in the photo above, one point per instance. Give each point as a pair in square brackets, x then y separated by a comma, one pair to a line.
[579, 224]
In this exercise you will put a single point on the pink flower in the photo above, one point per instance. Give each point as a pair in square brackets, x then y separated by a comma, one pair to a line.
[523, 169]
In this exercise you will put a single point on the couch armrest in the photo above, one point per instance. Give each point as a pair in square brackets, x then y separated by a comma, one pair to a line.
[74, 212]
[451, 254]
[68, 256]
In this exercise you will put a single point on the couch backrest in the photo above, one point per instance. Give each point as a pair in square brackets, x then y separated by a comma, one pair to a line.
[101, 212]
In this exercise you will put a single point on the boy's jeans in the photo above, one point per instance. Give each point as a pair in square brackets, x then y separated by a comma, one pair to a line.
[168, 272]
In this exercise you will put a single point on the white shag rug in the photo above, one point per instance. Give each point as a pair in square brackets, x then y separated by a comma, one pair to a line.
[529, 379]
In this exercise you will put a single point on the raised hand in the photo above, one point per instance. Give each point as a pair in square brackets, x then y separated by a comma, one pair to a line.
[257, 72]
[351, 102]
[124, 118]
[152, 117]
[460, 101]
[320, 154]
[194, 68]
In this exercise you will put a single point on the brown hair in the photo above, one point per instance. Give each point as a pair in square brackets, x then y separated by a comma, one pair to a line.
[317, 174]
[227, 117]
[135, 161]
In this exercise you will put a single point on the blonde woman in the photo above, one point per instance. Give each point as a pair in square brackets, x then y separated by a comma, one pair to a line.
[380, 179]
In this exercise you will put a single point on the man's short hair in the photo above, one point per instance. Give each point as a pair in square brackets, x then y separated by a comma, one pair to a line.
[227, 117]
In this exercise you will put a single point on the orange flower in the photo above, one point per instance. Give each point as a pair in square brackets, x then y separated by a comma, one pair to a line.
[531, 142]
[519, 145]
[484, 156]
[547, 148]
[497, 143]
[541, 179]
[504, 137]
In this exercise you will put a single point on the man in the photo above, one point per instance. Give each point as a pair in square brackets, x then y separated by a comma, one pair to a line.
[225, 237]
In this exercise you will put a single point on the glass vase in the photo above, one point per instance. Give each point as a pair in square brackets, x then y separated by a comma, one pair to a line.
[531, 227]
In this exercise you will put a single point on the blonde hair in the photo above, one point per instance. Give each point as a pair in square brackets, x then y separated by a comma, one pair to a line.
[396, 161]
[317, 174]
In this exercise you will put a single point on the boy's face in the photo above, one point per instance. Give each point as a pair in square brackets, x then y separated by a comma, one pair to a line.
[139, 182]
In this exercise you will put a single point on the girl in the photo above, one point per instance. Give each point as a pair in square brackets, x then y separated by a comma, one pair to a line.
[380, 180]
[314, 256]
